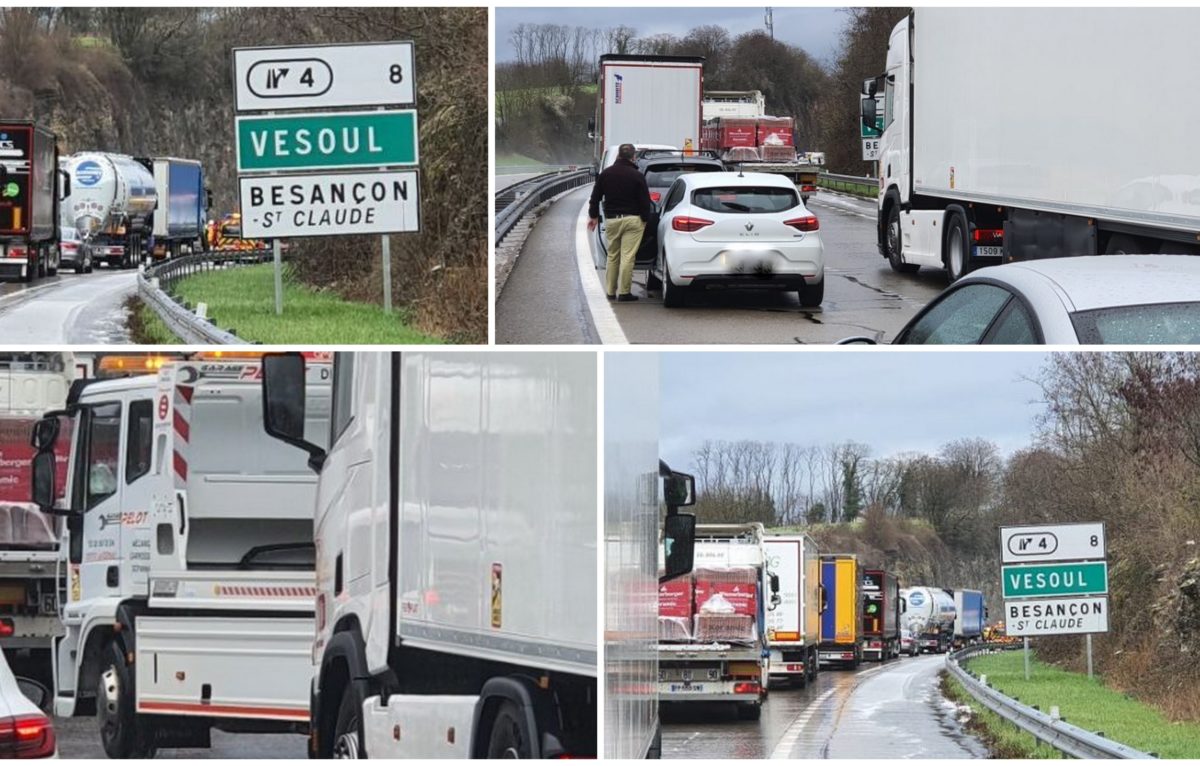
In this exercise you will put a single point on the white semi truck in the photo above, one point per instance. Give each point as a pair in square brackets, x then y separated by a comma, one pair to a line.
[188, 555]
[632, 524]
[648, 100]
[111, 204]
[794, 626]
[456, 553]
[1017, 133]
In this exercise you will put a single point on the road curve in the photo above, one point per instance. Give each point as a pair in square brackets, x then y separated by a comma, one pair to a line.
[86, 309]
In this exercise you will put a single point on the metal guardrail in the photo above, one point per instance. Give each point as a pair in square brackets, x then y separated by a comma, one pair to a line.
[863, 186]
[514, 201]
[1056, 732]
[156, 289]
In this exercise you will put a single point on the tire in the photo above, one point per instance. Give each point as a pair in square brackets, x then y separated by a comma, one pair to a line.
[652, 281]
[121, 732]
[749, 711]
[79, 269]
[891, 244]
[673, 295]
[956, 249]
[811, 295]
[813, 667]
[1123, 244]
[348, 738]
[510, 736]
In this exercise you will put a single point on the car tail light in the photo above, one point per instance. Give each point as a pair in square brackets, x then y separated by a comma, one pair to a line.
[808, 188]
[988, 236]
[26, 736]
[807, 223]
[687, 223]
[745, 687]
[6, 628]
[655, 196]
[70, 247]
[17, 251]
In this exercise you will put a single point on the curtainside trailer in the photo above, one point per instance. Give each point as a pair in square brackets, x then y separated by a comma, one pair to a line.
[841, 622]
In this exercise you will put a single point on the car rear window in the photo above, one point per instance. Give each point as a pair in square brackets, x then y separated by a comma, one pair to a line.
[1156, 323]
[665, 175]
[746, 199]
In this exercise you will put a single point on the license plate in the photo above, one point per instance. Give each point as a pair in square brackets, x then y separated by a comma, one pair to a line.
[988, 251]
[686, 688]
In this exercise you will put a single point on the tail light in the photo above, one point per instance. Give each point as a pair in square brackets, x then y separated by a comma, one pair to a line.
[655, 196]
[746, 687]
[807, 223]
[6, 627]
[687, 223]
[808, 188]
[26, 736]
[18, 251]
[70, 247]
[987, 236]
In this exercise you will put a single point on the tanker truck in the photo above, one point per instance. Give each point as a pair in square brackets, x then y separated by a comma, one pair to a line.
[929, 615]
[111, 202]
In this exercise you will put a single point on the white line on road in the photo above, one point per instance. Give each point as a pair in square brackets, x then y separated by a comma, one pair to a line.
[603, 317]
[792, 735]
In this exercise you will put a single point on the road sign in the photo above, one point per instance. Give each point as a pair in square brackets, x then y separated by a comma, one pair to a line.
[875, 132]
[1052, 542]
[320, 76]
[870, 148]
[1063, 579]
[326, 141]
[325, 204]
[1059, 616]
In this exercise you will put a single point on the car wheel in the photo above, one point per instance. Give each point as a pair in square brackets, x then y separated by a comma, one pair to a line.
[79, 268]
[957, 250]
[891, 244]
[652, 280]
[510, 737]
[673, 294]
[348, 729]
[749, 711]
[120, 734]
[811, 294]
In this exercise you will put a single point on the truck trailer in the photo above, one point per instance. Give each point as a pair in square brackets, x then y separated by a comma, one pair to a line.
[970, 617]
[456, 553]
[181, 208]
[841, 621]
[188, 555]
[794, 626]
[881, 614]
[31, 191]
[985, 157]
[929, 614]
[111, 202]
[644, 100]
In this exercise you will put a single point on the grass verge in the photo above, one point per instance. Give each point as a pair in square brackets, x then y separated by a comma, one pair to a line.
[145, 327]
[1003, 740]
[1091, 705]
[243, 300]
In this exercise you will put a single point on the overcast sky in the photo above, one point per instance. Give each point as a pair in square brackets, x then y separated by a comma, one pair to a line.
[815, 30]
[894, 402]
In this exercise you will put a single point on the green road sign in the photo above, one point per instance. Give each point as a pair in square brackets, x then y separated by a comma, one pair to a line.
[1029, 580]
[868, 132]
[326, 140]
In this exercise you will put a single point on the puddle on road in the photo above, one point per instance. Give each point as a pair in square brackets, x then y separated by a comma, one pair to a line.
[880, 290]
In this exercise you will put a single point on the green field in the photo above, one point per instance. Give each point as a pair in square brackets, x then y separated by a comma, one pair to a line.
[243, 300]
[1087, 704]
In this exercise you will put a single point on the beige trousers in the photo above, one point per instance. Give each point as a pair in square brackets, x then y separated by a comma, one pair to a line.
[624, 237]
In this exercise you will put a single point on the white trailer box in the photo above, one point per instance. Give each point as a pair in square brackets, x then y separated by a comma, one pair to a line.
[1016, 113]
[631, 510]
[649, 100]
[793, 626]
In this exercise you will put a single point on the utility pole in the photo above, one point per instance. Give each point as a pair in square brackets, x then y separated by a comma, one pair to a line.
[769, 20]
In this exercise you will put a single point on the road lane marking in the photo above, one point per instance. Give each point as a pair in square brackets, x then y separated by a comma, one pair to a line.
[784, 748]
[604, 319]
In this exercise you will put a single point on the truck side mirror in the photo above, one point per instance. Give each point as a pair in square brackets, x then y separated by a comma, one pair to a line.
[824, 600]
[591, 128]
[45, 433]
[43, 481]
[869, 86]
[868, 112]
[66, 184]
[679, 545]
[679, 489]
[207, 198]
[776, 599]
[283, 404]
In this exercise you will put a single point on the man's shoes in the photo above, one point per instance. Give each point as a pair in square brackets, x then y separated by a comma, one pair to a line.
[610, 296]
[624, 297]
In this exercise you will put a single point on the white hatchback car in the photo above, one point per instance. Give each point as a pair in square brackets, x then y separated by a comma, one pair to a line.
[25, 731]
[737, 230]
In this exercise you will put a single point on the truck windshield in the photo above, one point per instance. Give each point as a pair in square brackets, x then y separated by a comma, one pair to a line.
[746, 199]
[665, 175]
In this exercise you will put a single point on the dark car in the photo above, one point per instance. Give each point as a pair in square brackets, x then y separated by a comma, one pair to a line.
[661, 167]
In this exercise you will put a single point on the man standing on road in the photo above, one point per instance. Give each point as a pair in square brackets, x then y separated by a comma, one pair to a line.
[627, 209]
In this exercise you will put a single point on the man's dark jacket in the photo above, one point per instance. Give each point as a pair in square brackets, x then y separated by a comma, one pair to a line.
[624, 190]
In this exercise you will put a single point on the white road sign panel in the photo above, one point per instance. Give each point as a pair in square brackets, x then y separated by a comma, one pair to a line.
[870, 148]
[319, 76]
[1056, 616]
[1051, 542]
[330, 204]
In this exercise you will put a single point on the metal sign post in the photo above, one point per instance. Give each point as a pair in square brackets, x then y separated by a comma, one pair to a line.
[1026, 658]
[1089, 654]
[387, 273]
[278, 277]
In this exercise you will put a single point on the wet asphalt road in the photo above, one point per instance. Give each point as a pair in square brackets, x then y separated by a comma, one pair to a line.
[68, 308]
[889, 711]
[863, 296]
[79, 738]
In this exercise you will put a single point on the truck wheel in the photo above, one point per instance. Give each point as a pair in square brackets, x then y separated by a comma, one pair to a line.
[348, 736]
[509, 737]
[956, 249]
[120, 733]
[750, 711]
[811, 295]
[891, 243]
[673, 295]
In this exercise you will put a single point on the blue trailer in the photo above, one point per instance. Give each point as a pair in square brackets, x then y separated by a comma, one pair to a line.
[970, 618]
[182, 211]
